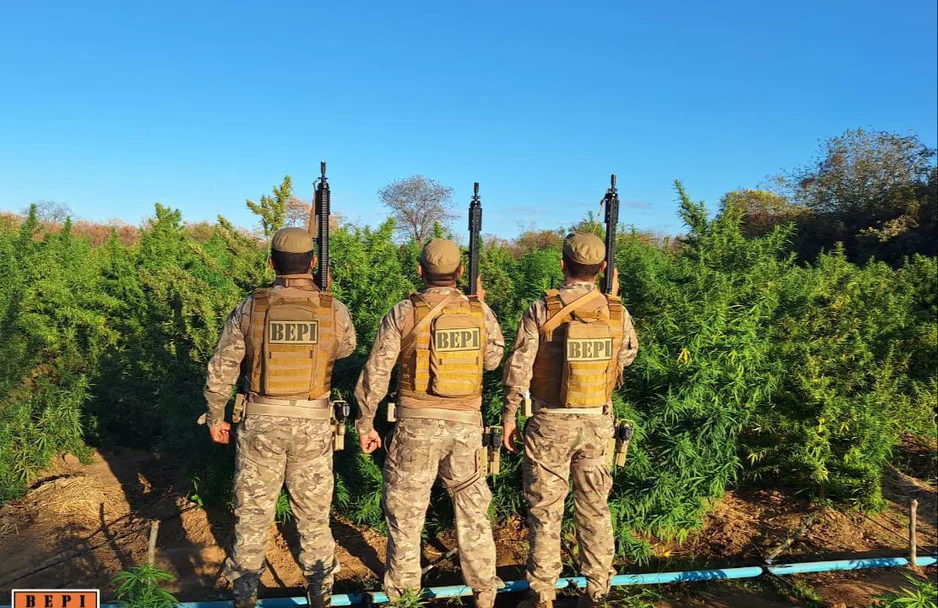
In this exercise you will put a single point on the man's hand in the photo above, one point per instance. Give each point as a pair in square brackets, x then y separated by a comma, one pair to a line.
[509, 435]
[370, 441]
[220, 433]
[480, 291]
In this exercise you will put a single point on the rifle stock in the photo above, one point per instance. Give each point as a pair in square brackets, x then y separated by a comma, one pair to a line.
[475, 228]
[611, 203]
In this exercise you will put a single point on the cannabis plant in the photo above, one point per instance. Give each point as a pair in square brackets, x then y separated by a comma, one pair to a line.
[141, 587]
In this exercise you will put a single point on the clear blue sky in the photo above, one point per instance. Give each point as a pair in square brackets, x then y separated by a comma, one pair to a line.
[109, 107]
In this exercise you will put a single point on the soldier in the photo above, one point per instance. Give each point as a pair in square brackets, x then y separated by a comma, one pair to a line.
[571, 350]
[443, 340]
[285, 340]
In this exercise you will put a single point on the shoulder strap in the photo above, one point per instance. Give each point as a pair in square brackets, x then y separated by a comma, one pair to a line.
[616, 309]
[553, 301]
[422, 321]
[475, 305]
[547, 329]
[421, 308]
[259, 309]
[261, 297]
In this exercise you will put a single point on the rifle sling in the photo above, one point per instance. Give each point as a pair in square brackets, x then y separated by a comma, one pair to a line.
[555, 321]
[409, 340]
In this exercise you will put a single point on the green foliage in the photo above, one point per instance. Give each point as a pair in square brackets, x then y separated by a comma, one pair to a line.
[36, 426]
[749, 363]
[923, 593]
[840, 331]
[918, 278]
[798, 588]
[55, 327]
[359, 484]
[283, 512]
[704, 367]
[368, 275]
[141, 587]
[410, 599]
[272, 210]
[633, 597]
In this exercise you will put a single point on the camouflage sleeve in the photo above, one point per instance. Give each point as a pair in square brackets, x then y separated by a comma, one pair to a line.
[225, 365]
[495, 342]
[520, 365]
[345, 331]
[376, 374]
[629, 344]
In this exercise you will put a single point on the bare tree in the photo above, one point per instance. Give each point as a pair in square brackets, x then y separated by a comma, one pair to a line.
[298, 212]
[418, 203]
[51, 212]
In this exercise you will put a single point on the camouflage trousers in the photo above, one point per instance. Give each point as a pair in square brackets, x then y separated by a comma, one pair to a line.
[556, 448]
[421, 450]
[273, 451]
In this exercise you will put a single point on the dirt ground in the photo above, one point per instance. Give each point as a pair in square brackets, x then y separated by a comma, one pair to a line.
[80, 524]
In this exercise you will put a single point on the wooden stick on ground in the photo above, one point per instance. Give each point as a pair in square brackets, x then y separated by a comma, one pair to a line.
[913, 517]
[85, 551]
[151, 549]
[770, 557]
[446, 556]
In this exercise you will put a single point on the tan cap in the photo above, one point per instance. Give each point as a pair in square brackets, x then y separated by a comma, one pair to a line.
[441, 256]
[292, 240]
[584, 248]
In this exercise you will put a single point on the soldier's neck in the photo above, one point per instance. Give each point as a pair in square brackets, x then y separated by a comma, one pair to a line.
[295, 280]
[571, 282]
[439, 288]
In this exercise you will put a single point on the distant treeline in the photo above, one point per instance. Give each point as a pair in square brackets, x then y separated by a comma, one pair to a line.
[759, 360]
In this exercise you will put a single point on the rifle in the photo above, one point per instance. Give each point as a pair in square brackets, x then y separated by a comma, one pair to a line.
[475, 227]
[319, 227]
[611, 203]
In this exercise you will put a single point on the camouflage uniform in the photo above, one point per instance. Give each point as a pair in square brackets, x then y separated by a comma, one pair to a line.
[422, 450]
[273, 451]
[558, 446]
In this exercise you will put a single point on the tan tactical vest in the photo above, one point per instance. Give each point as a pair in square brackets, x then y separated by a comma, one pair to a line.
[443, 352]
[291, 343]
[577, 356]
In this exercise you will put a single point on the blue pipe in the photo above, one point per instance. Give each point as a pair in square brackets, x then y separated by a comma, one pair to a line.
[649, 578]
[657, 578]
[848, 564]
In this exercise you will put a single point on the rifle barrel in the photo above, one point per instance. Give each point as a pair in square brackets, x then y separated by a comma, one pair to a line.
[322, 204]
[475, 227]
[611, 203]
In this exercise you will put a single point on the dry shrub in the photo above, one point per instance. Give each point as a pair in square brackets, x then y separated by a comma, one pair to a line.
[78, 498]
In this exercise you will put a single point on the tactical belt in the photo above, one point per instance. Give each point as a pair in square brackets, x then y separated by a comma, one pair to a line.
[431, 413]
[315, 409]
[582, 411]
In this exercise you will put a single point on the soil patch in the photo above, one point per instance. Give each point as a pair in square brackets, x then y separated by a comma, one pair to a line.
[81, 524]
